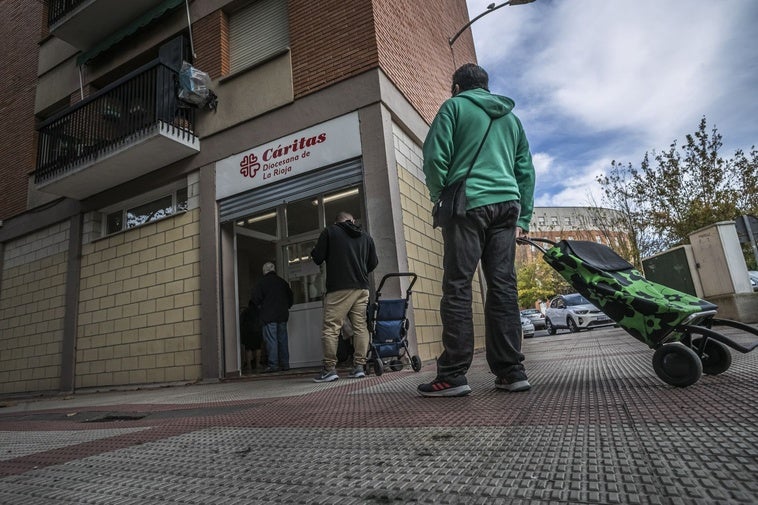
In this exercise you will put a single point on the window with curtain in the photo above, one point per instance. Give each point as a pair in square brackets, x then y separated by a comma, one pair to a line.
[257, 32]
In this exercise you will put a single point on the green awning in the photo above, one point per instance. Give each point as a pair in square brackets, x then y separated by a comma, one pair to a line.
[117, 36]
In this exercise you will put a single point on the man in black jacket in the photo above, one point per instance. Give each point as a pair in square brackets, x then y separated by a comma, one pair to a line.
[350, 256]
[274, 297]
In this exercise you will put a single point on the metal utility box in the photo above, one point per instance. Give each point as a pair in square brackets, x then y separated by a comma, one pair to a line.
[676, 269]
[719, 260]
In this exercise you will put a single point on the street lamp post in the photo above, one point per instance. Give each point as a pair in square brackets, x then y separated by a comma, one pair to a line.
[490, 8]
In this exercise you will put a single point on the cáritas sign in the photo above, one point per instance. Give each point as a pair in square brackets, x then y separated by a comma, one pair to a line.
[315, 147]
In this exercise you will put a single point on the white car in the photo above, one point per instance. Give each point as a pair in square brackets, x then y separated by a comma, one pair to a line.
[753, 274]
[574, 312]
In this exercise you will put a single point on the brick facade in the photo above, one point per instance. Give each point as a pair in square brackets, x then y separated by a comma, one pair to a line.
[331, 40]
[18, 62]
[211, 40]
[412, 40]
[138, 318]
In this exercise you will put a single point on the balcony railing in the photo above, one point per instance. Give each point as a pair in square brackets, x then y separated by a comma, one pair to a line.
[57, 9]
[116, 116]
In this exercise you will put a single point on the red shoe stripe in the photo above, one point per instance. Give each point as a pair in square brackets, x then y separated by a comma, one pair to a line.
[440, 385]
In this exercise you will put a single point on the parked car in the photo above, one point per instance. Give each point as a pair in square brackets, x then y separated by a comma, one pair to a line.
[753, 279]
[527, 328]
[536, 317]
[574, 312]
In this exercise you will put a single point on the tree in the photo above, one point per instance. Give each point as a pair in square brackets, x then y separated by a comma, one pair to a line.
[536, 280]
[675, 192]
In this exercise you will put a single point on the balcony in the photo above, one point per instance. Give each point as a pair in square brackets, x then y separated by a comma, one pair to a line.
[128, 129]
[85, 23]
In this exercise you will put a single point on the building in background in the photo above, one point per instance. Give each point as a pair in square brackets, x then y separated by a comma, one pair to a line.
[134, 224]
[574, 223]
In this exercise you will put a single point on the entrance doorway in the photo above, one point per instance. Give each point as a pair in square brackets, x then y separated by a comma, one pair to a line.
[286, 234]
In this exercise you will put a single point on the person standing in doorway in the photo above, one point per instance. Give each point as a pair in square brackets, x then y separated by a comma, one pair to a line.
[500, 191]
[251, 336]
[274, 297]
[350, 256]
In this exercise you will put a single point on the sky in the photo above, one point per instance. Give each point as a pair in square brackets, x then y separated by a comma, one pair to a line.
[602, 80]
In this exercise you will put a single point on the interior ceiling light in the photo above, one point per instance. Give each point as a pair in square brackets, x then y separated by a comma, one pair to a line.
[262, 217]
[338, 196]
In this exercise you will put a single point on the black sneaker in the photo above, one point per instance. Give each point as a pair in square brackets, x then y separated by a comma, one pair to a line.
[513, 382]
[452, 386]
[327, 375]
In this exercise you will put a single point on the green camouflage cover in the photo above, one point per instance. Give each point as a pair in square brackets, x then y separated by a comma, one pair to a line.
[648, 311]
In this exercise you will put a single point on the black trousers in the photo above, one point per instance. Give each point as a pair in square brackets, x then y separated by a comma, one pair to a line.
[488, 234]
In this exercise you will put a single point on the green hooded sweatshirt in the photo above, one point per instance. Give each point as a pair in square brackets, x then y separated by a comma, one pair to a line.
[502, 172]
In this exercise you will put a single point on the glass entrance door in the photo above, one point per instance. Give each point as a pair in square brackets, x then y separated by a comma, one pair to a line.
[286, 234]
[306, 315]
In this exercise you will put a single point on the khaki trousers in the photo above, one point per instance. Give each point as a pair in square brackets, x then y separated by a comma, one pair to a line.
[338, 305]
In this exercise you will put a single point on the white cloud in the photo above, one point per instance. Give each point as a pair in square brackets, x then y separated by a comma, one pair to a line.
[542, 163]
[596, 80]
[574, 186]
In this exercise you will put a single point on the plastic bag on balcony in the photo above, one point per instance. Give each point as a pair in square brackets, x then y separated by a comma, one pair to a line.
[194, 86]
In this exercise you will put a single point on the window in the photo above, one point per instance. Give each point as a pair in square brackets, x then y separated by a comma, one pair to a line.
[554, 220]
[344, 200]
[257, 32]
[541, 220]
[302, 217]
[567, 221]
[159, 208]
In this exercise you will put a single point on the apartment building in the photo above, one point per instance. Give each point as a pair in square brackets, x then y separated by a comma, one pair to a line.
[593, 224]
[134, 224]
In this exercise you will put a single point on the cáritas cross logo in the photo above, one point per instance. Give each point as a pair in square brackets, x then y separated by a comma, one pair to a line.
[249, 165]
[279, 156]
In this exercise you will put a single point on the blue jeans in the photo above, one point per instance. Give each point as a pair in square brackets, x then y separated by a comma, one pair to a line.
[487, 233]
[277, 345]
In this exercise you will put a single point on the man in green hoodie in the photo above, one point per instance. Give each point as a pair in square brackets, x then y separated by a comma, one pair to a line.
[500, 191]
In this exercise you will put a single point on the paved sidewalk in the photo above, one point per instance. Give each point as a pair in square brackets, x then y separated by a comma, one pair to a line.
[597, 427]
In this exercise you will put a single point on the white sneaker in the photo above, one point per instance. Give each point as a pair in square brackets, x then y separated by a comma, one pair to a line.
[327, 376]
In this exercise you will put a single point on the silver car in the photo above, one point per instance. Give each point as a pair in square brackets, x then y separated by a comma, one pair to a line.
[527, 328]
[574, 312]
[536, 317]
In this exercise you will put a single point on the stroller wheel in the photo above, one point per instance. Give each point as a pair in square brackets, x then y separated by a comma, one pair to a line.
[716, 357]
[677, 365]
[396, 365]
[378, 367]
[416, 363]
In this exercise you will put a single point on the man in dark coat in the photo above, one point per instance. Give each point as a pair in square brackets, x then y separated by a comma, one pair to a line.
[274, 298]
[350, 256]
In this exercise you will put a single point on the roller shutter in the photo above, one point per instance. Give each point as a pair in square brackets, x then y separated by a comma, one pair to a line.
[257, 32]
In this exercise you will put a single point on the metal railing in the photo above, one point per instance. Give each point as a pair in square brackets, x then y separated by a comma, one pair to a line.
[113, 117]
[57, 9]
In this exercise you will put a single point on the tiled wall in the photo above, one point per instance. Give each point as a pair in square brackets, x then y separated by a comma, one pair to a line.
[32, 302]
[424, 245]
[139, 307]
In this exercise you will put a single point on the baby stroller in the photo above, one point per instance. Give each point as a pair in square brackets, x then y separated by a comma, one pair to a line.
[388, 327]
[677, 325]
